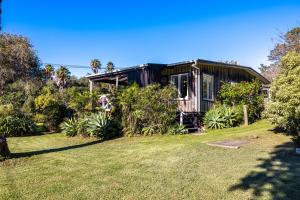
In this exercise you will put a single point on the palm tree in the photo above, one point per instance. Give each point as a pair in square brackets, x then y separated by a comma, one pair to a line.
[110, 66]
[62, 75]
[48, 71]
[95, 65]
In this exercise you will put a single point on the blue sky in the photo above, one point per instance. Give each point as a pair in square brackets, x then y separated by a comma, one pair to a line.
[135, 32]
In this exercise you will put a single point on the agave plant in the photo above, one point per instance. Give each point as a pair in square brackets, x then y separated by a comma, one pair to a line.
[214, 120]
[69, 127]
[149, 130]
[177, 130]
[229, 116]
[98, 124]
[82, 126]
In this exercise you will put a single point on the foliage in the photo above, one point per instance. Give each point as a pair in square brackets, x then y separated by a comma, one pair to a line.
[149, 130]
[79, 100]
[290, 41]
[16, 125]
[151, 107]
[95, 65]
[221, 116]
[284, 106]
[50, 109]
[98, 124]
[6, 110]
[62, 75]
[21, 95]
[243, 93]
[110, 66]
[69, 127]
[18, 60]
[48, 71]
[177, 129]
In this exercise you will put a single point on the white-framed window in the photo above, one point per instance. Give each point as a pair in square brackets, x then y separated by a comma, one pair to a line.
[208, 87]
[180, 81]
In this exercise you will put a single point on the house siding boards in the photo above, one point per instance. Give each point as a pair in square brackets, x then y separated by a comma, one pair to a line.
[184, 105]
[147, 74]
[221, 74]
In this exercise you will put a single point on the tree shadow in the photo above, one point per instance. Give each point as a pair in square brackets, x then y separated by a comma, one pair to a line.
[39, 152]
[277, 176]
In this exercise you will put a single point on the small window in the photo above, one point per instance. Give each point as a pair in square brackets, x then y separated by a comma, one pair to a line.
[208, 87]
[266, 93]
[180, 81]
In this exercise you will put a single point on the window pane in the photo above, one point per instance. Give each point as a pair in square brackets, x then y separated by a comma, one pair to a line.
[208, 86]
[210, 89]
[184, 86]
[174, 81]
[204, 87]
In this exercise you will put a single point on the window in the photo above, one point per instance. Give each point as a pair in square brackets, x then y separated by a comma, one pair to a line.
[266, 93]
[208, 87]
[180, 81]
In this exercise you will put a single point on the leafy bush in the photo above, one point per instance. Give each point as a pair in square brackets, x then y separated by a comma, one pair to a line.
[150, 130]
[6, 110]
[243, 93]
[16, 125]
[177, 129]
[284, 108]
[50, 108]
[222, 117]
[70, 127]
[147, 110]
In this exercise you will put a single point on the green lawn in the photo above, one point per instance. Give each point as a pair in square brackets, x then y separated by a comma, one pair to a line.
[159, 167]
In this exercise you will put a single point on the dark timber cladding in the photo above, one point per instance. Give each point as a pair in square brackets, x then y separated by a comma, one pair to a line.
[194, 70]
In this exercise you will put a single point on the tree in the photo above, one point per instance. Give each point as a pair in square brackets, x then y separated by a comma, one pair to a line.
[289, 41]
[18, 60]
[284, 107]
[62, 74]
[48, 71]
[95, 65]
[110, 66]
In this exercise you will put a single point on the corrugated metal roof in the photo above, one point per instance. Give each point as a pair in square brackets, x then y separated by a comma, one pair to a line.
[202, 61]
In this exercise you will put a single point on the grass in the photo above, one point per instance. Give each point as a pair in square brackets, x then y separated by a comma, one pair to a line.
[158, 167]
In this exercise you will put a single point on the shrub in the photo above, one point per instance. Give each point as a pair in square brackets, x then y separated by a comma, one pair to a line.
[177, 129]
[243, 93]
[6, 110]
[222, 117]
[70, 127]
[148, 110]
[98, 124]
[284, 108]
[82, 126]
[149, 130]
[50, 108]
[16, 125]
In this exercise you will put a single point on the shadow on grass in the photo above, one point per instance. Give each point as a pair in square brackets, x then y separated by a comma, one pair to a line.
[277, 176]
[39, 152]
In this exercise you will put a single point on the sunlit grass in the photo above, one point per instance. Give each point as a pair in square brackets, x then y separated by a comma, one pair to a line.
[157, 167]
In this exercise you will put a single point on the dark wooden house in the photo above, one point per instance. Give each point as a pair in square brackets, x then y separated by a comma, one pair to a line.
[198, 81]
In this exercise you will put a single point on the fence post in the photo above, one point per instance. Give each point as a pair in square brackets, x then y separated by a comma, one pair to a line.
[245, 115]
[181, 118]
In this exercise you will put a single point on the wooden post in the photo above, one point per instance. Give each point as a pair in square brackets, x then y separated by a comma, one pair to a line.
[245, 115]
[117, 82]
[91, 86]
[91, 94]
[181, 118]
